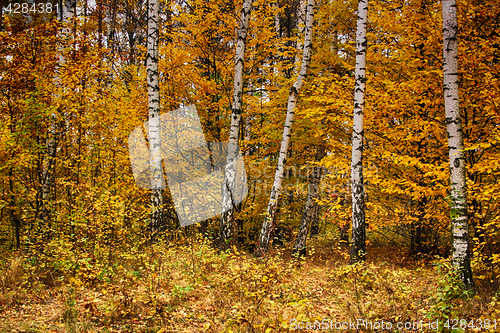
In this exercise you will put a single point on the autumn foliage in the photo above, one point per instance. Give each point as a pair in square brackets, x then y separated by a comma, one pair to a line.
[93, 267]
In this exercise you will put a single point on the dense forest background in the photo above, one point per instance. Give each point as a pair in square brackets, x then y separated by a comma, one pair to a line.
[75, 229]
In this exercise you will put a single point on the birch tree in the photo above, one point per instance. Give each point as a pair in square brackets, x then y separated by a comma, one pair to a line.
[310, 209]
[269, 217]
[47, 177]
[301, 18]
[226, 220]
[154, 119]
[358, 247]
[459, 218]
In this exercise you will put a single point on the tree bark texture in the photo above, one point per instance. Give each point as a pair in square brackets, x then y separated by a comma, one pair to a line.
[459, 218]
[157, 180]
[358, 247]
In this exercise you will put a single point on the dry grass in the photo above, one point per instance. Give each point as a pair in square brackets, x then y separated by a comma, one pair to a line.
[192, 288]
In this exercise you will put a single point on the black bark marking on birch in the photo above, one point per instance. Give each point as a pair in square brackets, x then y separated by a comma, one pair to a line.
[461, 249]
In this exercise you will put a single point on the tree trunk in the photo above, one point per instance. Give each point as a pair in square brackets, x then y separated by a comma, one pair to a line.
[16, 223]
[358, 247]
[277, 23]
[459, 219]
[315, 221]
[268, 224]
[157, 181]
[47, 177]
[317, 170]
[111, 23]
[344, 233]
[301, 20]
[99, 25]
[311, 205]
[227, 217]
[247, 133]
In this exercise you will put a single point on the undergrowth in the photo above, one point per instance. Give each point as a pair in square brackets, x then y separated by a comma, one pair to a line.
[191, 287]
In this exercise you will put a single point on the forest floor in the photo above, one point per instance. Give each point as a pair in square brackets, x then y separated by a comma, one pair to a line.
[191, 287]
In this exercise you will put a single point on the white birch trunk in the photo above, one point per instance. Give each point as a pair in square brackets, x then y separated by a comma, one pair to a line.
[227, 218]
[154, 120]
[358, 247]
[301, 18]
[277, 24]
[459, 219]
[268, 224]
[47, 178]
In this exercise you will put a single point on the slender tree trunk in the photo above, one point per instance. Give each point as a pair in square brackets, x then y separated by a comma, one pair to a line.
[1, 18]
[459, 219]
[301, 20]
[16, 223]
[315, 220]
[268, 224]
[112, 24]
[47, 177]
[227, 217]
[344, 233]
[358, 247]
[157, 181]
[131, 27]
[277, 23]
[317, 170]
[99, 25]
[311, 205]
[247, 133]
